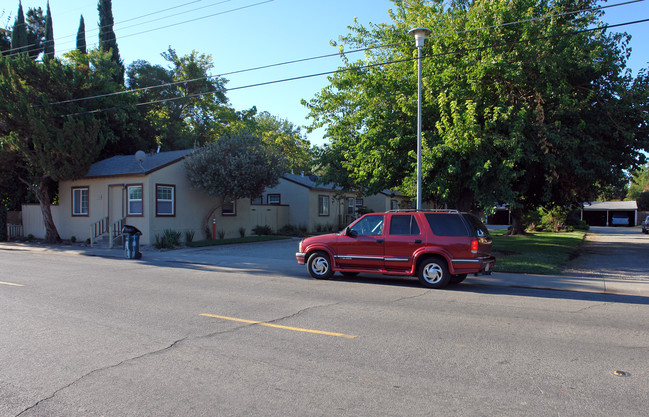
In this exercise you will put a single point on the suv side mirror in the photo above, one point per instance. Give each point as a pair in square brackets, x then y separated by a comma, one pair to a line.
[350, 232]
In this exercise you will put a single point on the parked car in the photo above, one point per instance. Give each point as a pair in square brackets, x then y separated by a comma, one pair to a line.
[619, 219]
[645, 225]
[437, 246]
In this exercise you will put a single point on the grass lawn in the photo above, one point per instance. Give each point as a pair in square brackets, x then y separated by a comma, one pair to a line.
[247, 239]
[536, 253]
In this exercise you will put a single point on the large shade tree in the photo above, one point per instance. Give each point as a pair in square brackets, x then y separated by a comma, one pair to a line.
[183, 103]
[44, 127]
[533, 113]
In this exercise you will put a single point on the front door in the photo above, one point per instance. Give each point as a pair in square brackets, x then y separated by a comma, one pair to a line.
[115, 203]
[363, 246]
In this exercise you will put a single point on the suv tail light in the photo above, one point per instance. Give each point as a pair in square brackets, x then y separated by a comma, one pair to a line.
[474, 246]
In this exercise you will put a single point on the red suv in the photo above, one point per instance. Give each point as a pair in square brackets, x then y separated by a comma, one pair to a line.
[438, 246]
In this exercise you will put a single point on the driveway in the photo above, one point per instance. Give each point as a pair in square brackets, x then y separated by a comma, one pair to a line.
[618, 253]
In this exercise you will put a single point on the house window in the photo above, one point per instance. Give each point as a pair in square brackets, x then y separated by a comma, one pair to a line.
[274, 199]
[165, 204]
[394, 204]
[351, 206]
[359, 202]
[80, 201]
[323, 205]
[229, 209]
[134, 200]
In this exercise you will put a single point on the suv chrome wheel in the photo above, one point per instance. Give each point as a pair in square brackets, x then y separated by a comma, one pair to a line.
[433, 273]
[319, 265]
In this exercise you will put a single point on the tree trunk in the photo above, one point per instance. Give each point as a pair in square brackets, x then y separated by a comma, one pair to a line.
[43, 196]
[517, 227]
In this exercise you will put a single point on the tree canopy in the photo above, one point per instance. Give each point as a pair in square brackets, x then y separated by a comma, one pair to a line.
[535, 113]
[44, 129]
[234, 167]
[185, 104]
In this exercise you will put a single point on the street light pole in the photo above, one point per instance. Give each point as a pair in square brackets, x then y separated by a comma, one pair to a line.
[420, 34]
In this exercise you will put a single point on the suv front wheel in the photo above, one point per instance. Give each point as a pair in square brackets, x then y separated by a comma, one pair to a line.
[319, 265]
[433, 273]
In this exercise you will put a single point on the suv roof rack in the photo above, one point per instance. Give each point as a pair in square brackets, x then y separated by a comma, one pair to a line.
[423, 211]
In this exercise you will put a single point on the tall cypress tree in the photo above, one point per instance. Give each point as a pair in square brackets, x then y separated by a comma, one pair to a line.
[48, 50]
[19, 33]
[107, 38]
[81, 37]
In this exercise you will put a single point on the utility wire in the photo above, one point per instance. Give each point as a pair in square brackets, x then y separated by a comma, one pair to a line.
[362, 67]
[33, 47]
[334, 54]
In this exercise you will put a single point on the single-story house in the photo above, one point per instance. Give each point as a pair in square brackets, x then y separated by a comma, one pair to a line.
[151, 193]
[314, 206]
[387, 200]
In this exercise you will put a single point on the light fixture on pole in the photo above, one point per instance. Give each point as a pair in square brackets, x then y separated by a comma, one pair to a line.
[420, 34]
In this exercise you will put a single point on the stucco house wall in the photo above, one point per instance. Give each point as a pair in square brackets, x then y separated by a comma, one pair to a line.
[301, 194]
[107, 183]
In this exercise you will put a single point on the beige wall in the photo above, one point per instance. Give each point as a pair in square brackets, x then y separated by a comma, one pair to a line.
[381, 202]
[302, 205]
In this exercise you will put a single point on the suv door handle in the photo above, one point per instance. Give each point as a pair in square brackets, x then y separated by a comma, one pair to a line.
[418, 241]
[380, 240]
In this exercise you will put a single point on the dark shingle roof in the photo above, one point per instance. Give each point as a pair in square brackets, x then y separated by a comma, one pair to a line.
[127, 165]
[310, 181]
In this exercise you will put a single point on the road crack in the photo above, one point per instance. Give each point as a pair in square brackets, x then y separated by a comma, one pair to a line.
[94, 371]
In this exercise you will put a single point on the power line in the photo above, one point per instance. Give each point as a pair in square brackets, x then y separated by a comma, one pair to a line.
[337, 54]
[13, 51]
[362, 67]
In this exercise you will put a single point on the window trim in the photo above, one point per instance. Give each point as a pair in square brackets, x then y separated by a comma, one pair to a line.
[323, 209]
[128, 200]
[234, 209]
[87, 212]
[173, 200]
[279, 199]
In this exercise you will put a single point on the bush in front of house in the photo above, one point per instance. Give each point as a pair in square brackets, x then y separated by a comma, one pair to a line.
[262, 230]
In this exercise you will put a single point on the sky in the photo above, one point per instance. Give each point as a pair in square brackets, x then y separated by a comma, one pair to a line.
[244, 34]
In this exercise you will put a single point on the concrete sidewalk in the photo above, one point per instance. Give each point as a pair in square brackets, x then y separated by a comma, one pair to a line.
[281, 254]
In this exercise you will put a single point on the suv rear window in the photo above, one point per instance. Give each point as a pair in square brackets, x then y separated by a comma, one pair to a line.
[445, 224]
[480, 228]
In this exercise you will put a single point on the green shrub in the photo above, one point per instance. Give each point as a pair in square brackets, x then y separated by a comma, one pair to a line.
[173, 238]
[189, 236]
[73, 239]
[242, 232]
[160, 242]
[262, 230]
[221, 234]
[290, 230]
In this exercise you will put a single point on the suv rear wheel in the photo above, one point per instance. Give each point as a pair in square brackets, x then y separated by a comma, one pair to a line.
[319, 265]
[433, 273]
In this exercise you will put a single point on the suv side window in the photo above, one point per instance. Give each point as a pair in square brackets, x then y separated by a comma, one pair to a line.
[404, 225]
[371, 225]
[445, 224]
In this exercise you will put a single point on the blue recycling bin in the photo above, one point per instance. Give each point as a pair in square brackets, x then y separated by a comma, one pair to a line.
[131, 242]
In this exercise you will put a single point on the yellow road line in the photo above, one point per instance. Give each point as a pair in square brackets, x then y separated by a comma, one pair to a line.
[277, 326]
[11, 284]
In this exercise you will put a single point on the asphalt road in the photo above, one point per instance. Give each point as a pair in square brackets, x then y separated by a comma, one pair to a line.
[95, 336]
